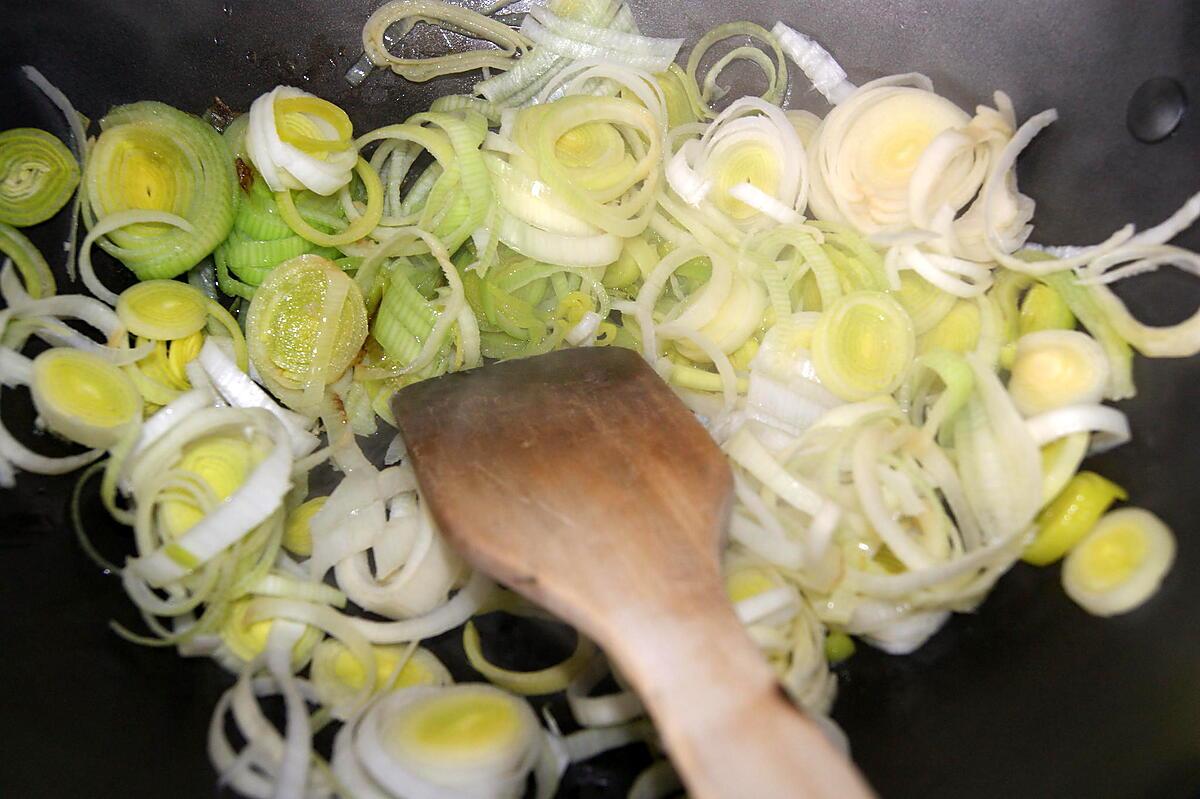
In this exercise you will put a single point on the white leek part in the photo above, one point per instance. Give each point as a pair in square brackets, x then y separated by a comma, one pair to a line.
[422, 583]
[292, 777]
[682, 177]
[412, 745]
[353, 517]
[905, 633]
[807, 677]
[284, 166]
[998, 458]
[252, 771]
[339, 626]
[15, 368]
[241, 392]
[867, 153]
[170, 415]
[749, 453]
[900, 586]
[600, 711]
[750, 142]
[556, 248]
[1121, 563]
[78, 146]
[252, 503]
[822, 70]
[462, 606]
[74, 306]
[396, 450]
[1109, 427]
[584, 331]
[1181, 340]
[1054, 368]
[106, 225]
[956, 276]
[764, 203]
[1000, 180]
[586, 744]
[868, 452]
[582, 77]
[577, 40]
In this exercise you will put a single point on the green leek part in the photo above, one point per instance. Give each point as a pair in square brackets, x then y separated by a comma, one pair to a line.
[39, 280]
[38, 175]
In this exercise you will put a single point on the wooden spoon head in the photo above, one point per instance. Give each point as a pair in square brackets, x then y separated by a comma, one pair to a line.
[577, 478]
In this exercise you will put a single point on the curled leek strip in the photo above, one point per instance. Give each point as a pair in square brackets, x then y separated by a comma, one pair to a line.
[356, 230]
[407, 13]
[83, 397]
[527, 683]
[38, 175]
[35, 272]
[774, 67]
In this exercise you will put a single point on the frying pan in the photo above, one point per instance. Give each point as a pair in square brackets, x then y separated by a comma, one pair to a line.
[1028, 697]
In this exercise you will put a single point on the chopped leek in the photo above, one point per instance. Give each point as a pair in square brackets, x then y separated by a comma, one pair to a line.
[1121, 562]
[152, 157]
[38, 175]
[162, 309]
[83, 397]
[863, 346]
[1055, 368]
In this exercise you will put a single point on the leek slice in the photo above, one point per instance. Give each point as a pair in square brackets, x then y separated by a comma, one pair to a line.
[1071, 516]
[306, 324]
[863, 346]
[454, 738]
[1121, 563]
[1055, 368]
[337, 675]
[83, 397]
[38, 175]
[162, 309]
[1060, 462]
[1043, 309]
[218, 465]
[151, 157]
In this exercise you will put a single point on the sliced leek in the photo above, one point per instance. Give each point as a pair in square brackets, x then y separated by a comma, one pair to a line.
[863, 346]
[1055, 368]
[38, 175]
[1071, 516]
[162, 309]
[1120, 564]
[152, 157]
[84, 397]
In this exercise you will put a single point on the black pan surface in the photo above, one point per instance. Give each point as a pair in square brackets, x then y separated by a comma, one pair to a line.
[1029, 697]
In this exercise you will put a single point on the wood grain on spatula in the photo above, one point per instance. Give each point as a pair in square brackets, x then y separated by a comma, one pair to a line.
[580, 480]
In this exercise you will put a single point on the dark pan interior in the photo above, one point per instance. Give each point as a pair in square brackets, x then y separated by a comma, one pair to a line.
[1029, 697]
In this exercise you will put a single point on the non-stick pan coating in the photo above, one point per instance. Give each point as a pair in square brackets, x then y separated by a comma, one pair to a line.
[1030, 697]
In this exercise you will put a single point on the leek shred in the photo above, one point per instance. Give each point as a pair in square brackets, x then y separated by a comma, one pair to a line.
[297, 535]
[35, 272]
[38, 175]
[1070, 516]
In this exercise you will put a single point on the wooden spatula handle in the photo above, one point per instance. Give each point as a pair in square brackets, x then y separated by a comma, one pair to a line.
[729, 728]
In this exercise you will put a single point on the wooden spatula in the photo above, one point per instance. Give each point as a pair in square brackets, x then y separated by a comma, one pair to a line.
[581, 481]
